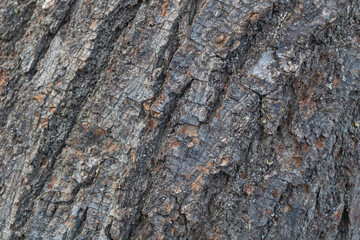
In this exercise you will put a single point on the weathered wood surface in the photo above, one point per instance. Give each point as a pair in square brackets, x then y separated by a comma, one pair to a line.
[184, 119]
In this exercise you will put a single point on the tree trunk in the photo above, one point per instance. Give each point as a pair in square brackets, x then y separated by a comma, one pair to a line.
[186, 119]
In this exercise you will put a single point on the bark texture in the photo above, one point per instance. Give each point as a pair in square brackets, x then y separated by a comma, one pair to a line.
[179, 119]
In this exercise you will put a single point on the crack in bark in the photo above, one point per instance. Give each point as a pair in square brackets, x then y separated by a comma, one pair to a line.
[21, 29]
[153, 146]
[78, 226]
[49, 38]
[16, 83]
[107, 231]
[343, 227]
[272, 221]
[51, 150]
[195, 7]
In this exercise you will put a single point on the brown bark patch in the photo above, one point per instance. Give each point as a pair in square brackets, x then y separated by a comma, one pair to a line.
[224, 161]
[249, 189]
[306, 188]
[267, 212]
[275, 193]
[337, 214]
[85, 126]
[254, 17]
[218, 111]
[132, 156]
[39, 98]
[194, 141]
[52, 183]
[195, 186]
[190, 131]
[174, 144]
[99, 132]
[204, 169]
[111, 147]
[168, 207]
[78, 153]
[306, 148]
[221, 41]
[52, 108]
[3, 80]
[151, 125]
[287, 208]
[45, 162]
[44, 122]
[298, 162]
[164, 7]
[146, 105]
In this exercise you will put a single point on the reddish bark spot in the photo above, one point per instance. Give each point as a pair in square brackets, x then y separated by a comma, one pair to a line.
[52, 183]
[275, 193]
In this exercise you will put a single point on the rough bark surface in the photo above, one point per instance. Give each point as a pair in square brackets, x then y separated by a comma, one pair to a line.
[179, 119]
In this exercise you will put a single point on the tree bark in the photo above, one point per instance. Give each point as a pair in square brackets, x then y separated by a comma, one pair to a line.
[179, 119]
